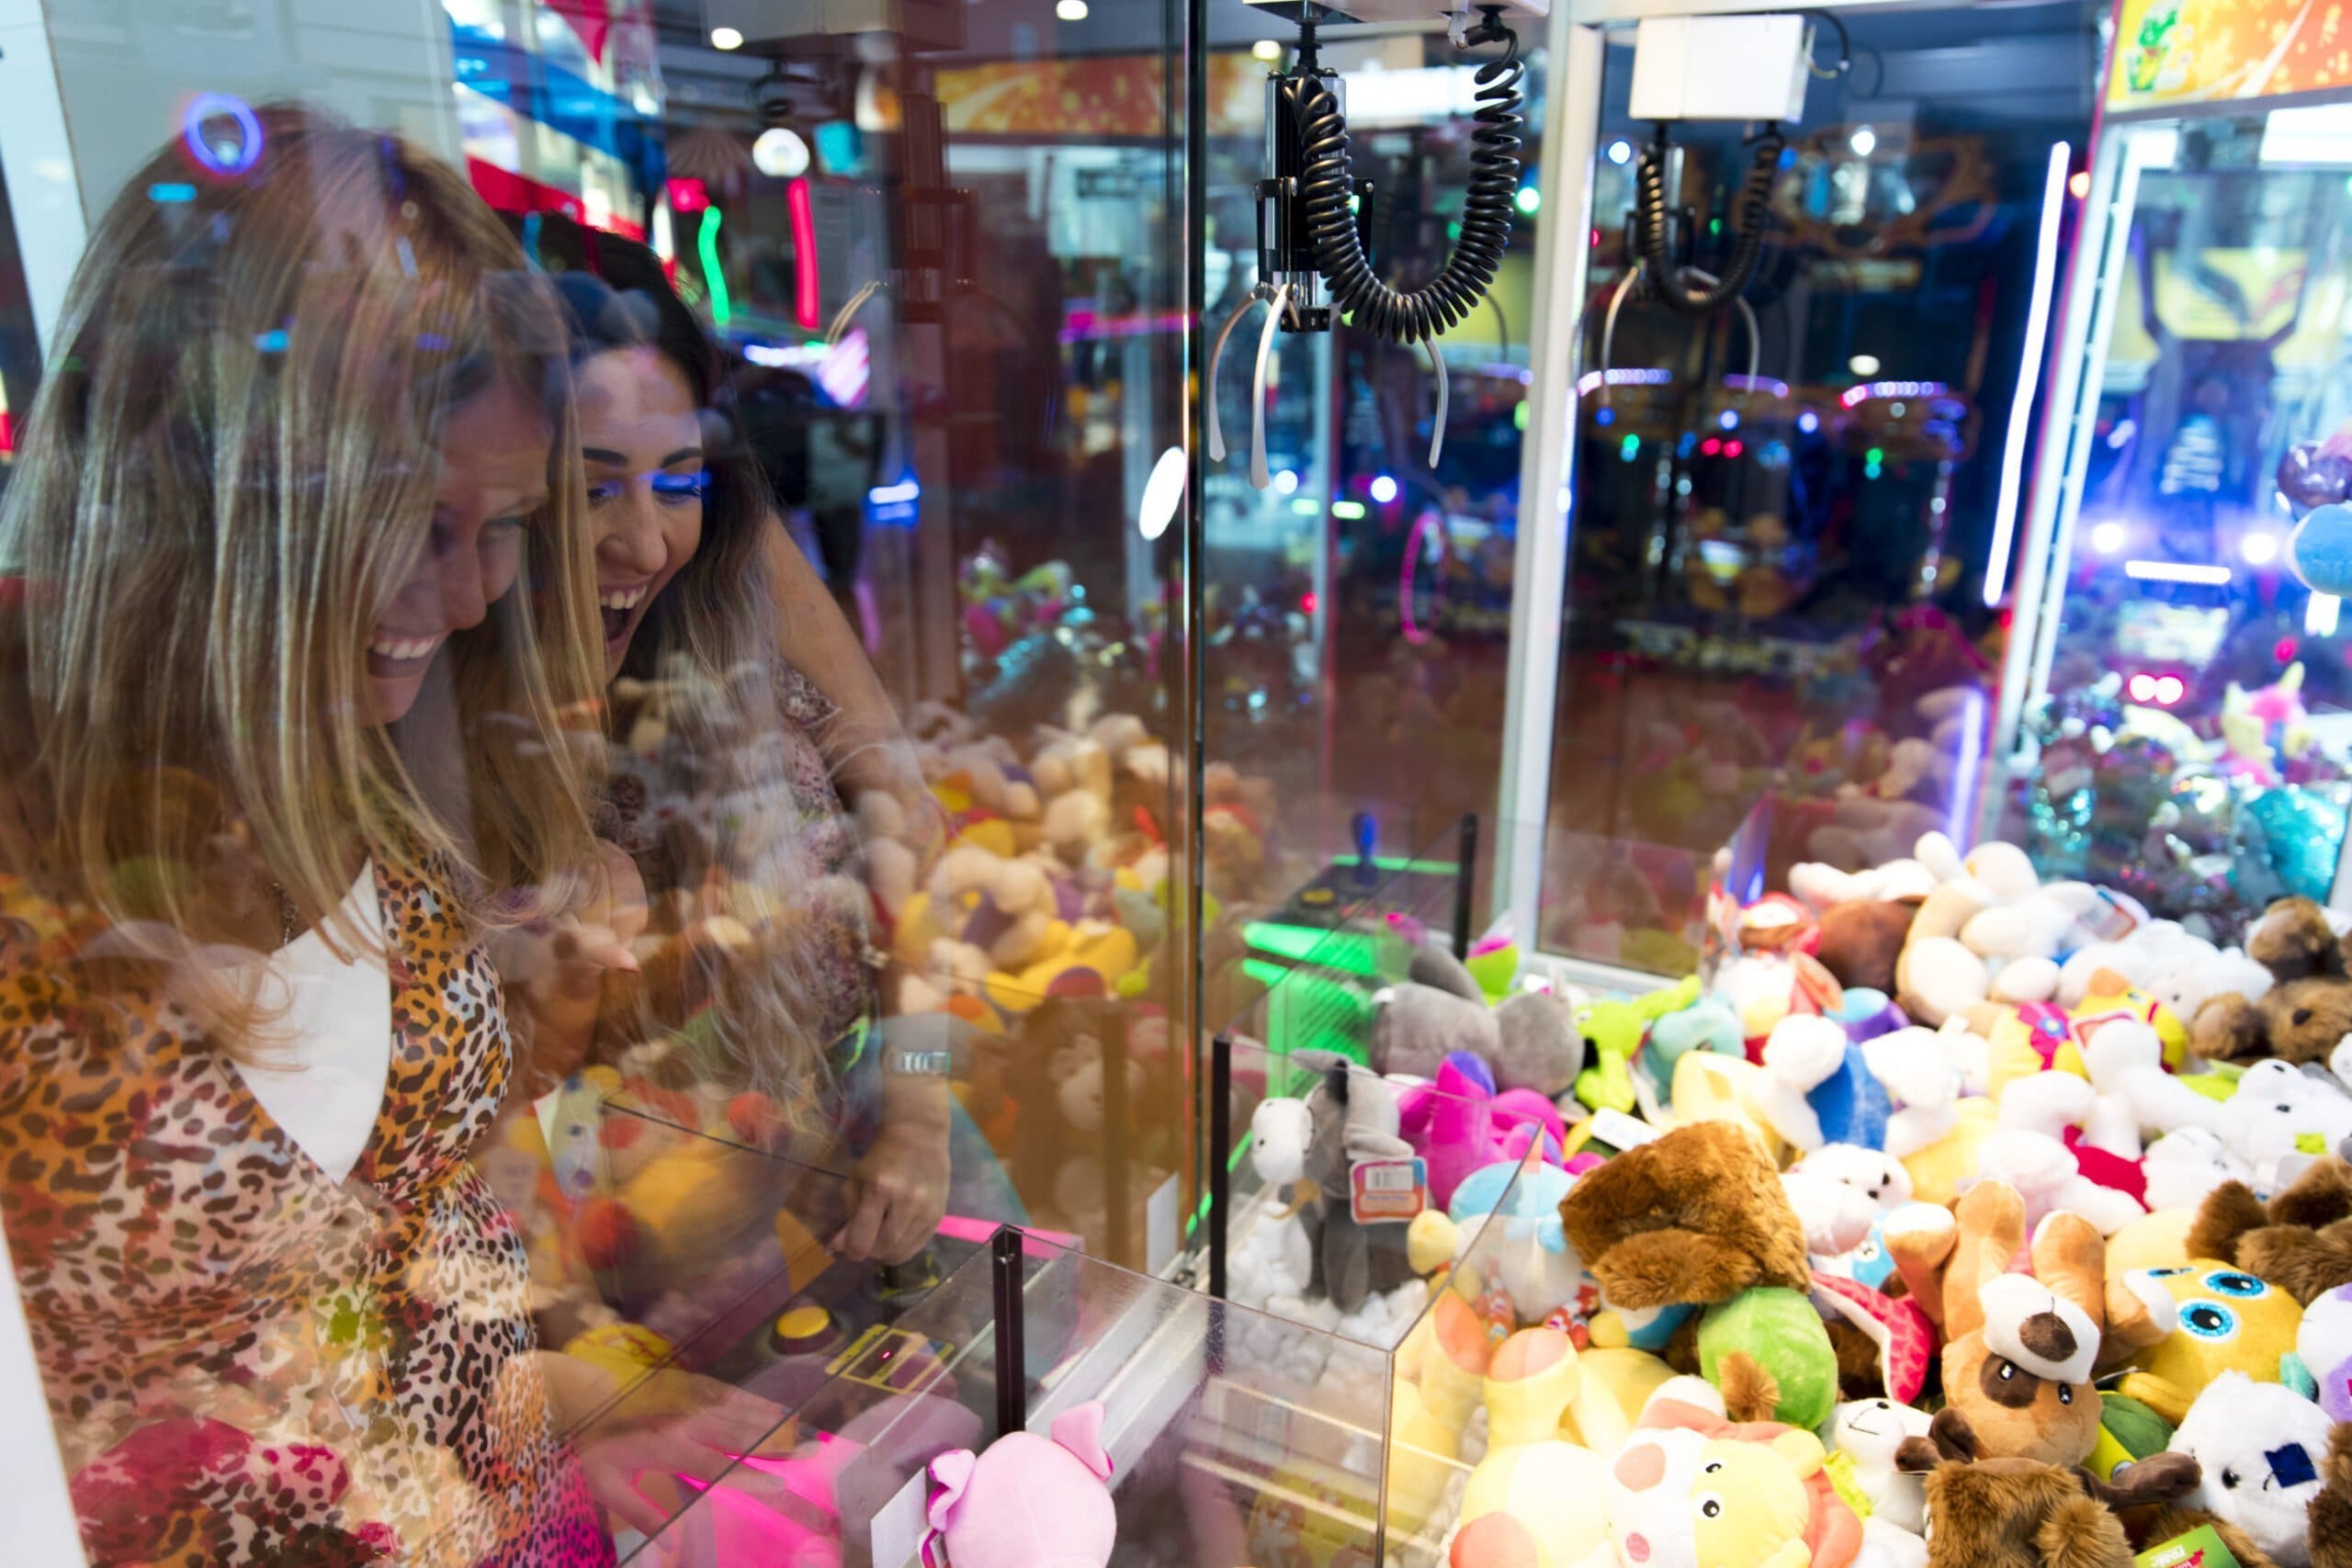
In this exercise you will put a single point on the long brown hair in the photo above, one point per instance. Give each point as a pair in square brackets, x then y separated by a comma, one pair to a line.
[226, 476]
[702, 670]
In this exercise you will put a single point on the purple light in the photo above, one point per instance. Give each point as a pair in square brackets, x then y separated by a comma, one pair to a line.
[207, 106]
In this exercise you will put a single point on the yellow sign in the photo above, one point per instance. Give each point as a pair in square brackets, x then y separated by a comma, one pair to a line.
[2171, 53]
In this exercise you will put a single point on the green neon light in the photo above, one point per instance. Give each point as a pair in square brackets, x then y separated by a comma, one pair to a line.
[722, 308]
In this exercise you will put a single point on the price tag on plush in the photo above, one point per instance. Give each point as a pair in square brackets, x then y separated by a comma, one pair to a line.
[1387, 1191]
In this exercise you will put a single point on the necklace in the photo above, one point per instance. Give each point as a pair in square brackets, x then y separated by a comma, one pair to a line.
[285, 915]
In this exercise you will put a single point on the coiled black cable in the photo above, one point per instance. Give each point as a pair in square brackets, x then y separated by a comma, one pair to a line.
[1408, 316]
[1750, 215]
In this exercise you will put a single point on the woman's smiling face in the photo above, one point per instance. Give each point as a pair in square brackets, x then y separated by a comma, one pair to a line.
[493, 484]
[640, 435]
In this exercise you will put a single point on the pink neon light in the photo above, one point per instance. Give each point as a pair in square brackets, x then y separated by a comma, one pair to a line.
[1079, 326]
[1034, 1242]
[806, 309]
[1413, 633]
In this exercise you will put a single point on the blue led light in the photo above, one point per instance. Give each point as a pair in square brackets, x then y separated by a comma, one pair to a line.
[206, 108]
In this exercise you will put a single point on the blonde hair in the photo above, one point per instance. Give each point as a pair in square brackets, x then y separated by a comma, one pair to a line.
[226, 476]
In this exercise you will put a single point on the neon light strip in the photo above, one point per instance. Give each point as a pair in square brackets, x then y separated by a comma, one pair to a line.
[714, 280]
[2173, 572]
[2037, 331]
[1422, 525]
[805, 303]
[2319, 615]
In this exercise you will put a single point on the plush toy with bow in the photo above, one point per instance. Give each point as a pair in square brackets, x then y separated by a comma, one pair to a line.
[1028, 1502]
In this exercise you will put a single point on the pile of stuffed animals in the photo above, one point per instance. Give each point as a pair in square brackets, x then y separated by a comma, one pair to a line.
[1952, 1216]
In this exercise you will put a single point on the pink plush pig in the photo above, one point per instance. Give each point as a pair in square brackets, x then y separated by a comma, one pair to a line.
[1029, 1501]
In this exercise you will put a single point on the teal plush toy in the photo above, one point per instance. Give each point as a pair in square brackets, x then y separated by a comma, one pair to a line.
[1781, 1332]
[1615, 1030]
[1707, 1024]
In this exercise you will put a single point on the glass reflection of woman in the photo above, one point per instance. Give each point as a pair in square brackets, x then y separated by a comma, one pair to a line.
[302, 596]
[697, 583]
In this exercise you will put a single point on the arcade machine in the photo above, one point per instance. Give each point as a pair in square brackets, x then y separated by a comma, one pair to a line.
[2176, 718]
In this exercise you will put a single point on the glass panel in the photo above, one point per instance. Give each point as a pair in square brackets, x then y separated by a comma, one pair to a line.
[1787, 535]
[2191, 739]
[1358, 609]
[595, 669]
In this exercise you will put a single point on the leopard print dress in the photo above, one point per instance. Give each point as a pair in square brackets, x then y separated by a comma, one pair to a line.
[246, 1360]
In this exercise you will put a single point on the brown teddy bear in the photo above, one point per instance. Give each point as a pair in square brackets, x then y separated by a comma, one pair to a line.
[2300, 1241]
[1990, 1511]
[1696, 1216]
[2305, 1013]
[2020, 1349]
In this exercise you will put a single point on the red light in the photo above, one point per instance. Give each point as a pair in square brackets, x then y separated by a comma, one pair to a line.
[1733, 448]
[2170, 689]
[2285, 650]
[804, 255]
[1709, 446]
[687, 194]
[2142, 688]
[1307, 602]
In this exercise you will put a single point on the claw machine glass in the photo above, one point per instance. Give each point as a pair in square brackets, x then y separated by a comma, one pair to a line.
[1355, 614]
[2179, 715]
[1768, 603]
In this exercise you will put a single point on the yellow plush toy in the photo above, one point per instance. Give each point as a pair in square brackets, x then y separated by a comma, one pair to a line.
[2155, 1241]
[1545, 1483]
[1937, 1170]
[1692, 1488]
[2228, 1321]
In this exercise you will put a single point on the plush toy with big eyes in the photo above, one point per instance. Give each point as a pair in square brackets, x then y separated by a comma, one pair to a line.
[2228, 1321]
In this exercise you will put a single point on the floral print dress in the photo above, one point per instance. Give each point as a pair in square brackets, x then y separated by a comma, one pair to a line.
[247, 1361]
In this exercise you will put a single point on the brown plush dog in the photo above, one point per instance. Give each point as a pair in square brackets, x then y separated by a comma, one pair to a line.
[2300, 1241]
[2020, 1349]
[1862, 940]
[1991, 1512]
[2332, 1509]
[2305, 1013]
[1696, 1216]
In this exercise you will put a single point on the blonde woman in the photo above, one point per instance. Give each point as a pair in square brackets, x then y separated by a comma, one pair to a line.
[304, 603]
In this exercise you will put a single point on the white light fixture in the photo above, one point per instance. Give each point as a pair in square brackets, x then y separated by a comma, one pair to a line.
[2037, 328]
[2106, 538]
[2177, 572]
[725, 38]
[1286, 482]
[1620, 153]
[1267, 50]
[1864, 142]
[2319, 615]
[1383, 490]
[1070, 10]
[2260, 547]
[1164, 490]
[1863, 364]
[780, 153]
